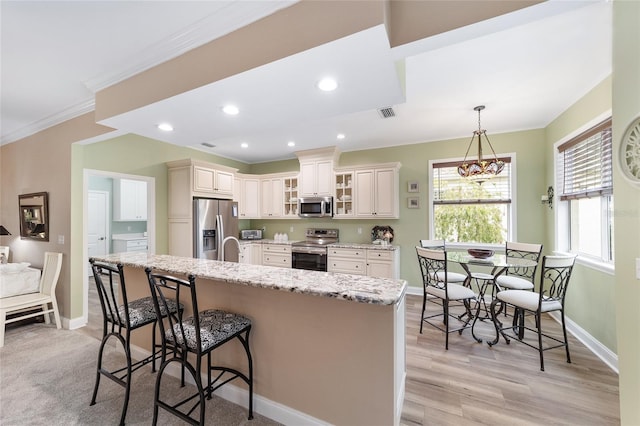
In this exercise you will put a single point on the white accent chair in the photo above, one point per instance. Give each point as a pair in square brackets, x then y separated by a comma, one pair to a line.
[23, 305]
[4, 250]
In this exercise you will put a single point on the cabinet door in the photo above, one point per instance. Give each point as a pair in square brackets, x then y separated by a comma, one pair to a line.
[203, 179]
[380, 269]
[324, 177]
[250, 201]
[385, 190]
[130, 200]
[223, 184]
[364, 193]
[307, 179]
[271, 194]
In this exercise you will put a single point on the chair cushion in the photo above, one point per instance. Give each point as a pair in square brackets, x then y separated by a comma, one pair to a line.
[527, 300]
[142, 311]
[216, 326]
[514, 283]
[452, 277]
[456, 292]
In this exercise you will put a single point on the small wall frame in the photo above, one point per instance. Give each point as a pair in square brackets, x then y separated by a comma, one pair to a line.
[413, 186]
[413, 202]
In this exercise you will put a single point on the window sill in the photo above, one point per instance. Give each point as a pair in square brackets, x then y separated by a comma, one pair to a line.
[598, 265]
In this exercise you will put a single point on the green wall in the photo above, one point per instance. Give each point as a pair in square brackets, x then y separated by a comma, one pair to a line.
[591, 295]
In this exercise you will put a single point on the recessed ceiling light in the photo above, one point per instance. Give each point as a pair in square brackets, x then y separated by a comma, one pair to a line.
[165, 127]
[340, 136]
[244, 145]
[291, 143]
[327, 84]
[230, 109]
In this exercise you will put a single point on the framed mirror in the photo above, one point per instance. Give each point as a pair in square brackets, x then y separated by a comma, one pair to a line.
[34, 216]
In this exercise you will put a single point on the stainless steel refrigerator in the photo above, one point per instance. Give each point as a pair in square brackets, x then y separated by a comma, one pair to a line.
[213, 221]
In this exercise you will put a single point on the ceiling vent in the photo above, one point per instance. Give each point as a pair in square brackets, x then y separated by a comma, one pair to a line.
[386, 112]
[208, 145]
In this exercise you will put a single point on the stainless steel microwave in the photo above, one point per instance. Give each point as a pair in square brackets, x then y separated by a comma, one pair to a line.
[315, 207]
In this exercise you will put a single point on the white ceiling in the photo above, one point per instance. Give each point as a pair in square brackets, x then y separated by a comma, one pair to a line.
[526, 67]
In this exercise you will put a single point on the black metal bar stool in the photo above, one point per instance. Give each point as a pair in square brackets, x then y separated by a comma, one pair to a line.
[200, 334]
[119, 318]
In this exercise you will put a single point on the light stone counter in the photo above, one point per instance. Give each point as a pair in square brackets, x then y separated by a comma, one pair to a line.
[365, 246]
[327, 348]
[378, 291]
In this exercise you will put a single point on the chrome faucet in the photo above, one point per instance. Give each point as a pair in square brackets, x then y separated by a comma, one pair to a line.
[224, 242]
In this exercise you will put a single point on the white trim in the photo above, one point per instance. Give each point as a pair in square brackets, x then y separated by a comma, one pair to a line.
[261, 405]
[601, 351]
[415, 290]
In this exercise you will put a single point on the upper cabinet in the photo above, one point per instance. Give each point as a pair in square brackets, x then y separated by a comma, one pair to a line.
[213, 181]
[316, 171]
[247, 194]
[272, 197]
[376, 192]
[129, 200]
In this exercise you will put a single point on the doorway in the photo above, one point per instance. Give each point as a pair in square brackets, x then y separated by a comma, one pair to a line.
[97, 215]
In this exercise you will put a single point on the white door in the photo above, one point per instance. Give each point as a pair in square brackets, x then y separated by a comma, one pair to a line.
[97, 224]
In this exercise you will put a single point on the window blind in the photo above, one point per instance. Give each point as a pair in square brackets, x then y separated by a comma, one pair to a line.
[450, 188]
[585, 165]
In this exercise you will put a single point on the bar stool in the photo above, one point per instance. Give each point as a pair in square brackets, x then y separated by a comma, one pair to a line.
[118, 321]
[199, 334]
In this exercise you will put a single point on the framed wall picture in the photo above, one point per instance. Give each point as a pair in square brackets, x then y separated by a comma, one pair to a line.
[413, 186]
[413, 203]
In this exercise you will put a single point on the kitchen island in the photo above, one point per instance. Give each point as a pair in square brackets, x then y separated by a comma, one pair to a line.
[327, 347]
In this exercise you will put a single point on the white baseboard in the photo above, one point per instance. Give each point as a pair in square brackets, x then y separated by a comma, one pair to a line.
[598, 349]
[261, 405]
[601, 351]
[73, 324]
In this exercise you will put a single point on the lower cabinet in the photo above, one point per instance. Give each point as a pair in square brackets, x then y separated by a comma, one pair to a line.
[369, 262]
[251, 254]
[276, 255]
[120, 246]
[347, 261]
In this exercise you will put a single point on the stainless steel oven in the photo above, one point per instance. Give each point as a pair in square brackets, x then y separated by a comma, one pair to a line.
[311, 254]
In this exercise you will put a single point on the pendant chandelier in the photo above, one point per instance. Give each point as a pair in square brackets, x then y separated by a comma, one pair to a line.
[481, 169]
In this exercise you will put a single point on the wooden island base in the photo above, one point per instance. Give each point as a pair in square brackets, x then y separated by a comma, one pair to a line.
[316, 359]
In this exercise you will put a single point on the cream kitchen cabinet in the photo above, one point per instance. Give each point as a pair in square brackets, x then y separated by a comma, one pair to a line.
[129, 244]
[272, 193]
[316, 171]
[347, 261]
[376, 193]
[129, 200]
[357, 259]
[383, 263]
[212, 181]
[251, 253]
[316, 178]
[187, 179]
[247, 194]
[276, 255]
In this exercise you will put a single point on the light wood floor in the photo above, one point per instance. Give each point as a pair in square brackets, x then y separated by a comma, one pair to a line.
[473, 384]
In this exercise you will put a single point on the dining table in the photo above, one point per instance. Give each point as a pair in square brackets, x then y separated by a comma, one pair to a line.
[17, 279]
[498, 264]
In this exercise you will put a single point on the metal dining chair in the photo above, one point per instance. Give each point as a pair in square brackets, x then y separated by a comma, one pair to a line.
[552, 290]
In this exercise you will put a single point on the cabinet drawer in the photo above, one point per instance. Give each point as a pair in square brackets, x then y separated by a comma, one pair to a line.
[379, 255]
[276, 248]
[276, 259]
[348, 253]
[136, 244]
[347, 266]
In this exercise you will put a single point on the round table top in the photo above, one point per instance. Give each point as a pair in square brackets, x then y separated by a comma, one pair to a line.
[497, 260]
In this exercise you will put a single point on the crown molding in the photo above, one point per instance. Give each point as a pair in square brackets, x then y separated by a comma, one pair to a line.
[236, 15]
[73, 111]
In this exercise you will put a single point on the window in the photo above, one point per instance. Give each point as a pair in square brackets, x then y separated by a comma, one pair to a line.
[586, 191]
[468, 212]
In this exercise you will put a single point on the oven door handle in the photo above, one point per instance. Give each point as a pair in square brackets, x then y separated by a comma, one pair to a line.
[309, 250]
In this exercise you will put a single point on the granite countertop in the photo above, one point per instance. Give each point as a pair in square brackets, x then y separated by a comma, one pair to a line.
[356, 288]
[362, 246]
